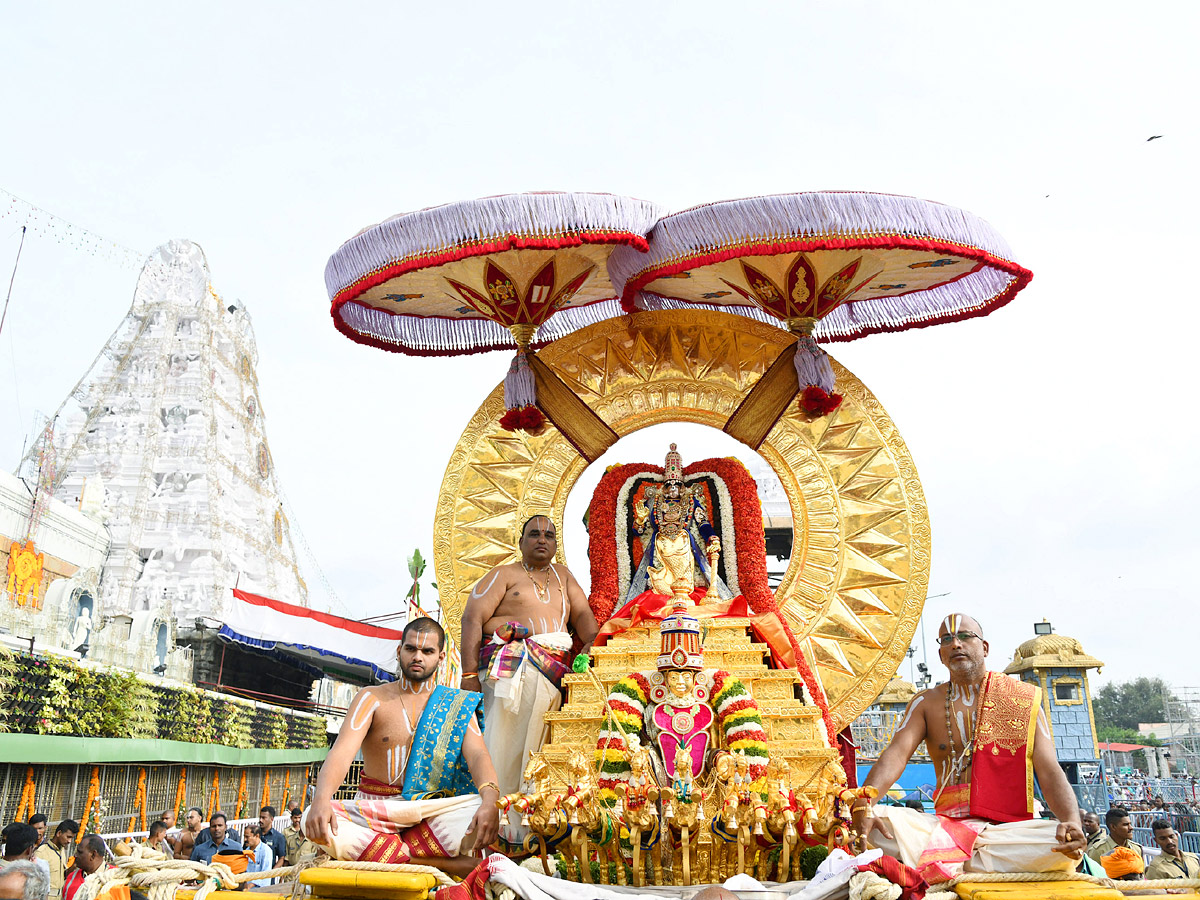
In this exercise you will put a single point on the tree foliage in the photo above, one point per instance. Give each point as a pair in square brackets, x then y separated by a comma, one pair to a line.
[1129, 703]
[1112, 734]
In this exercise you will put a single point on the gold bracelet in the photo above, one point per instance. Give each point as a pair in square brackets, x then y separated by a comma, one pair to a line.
[489, 784]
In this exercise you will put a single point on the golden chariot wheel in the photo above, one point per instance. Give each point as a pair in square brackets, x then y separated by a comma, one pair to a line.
[859, 571]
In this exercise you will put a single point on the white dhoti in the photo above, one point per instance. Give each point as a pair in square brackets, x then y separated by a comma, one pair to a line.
[374, 829]
[517, 694]
[927, 843]
[514, 709]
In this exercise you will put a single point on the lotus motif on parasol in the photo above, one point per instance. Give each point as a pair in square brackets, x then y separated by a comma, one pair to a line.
[517, 269]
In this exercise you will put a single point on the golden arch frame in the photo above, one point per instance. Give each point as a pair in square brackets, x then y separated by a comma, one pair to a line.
[856, 584]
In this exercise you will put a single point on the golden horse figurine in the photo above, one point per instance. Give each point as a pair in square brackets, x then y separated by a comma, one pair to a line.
[782, 811]
[684, 811]
[591, 821]
[541, 812]
[639, 801]
[833, 796]
[740, 808]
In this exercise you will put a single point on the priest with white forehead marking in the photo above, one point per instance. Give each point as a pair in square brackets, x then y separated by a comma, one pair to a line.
[987, 736]
[428, 791]
[517, 628]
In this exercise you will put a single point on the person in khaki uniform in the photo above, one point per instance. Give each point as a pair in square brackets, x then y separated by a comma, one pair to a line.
[1120, 833]
[1172, 862]
[297, 844]
[1091, 827]
[55, 853]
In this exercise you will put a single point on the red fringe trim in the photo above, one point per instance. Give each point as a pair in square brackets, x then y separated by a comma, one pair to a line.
[802, 245]
[1022, 275]
[497, 245]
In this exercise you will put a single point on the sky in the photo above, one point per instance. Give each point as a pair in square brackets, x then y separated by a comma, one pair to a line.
[1054, 439]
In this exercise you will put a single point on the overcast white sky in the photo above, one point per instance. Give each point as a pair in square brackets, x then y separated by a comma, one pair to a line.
[1055, 439]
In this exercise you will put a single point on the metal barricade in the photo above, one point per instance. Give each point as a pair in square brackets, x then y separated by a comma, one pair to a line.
[1144, 836]
[1190, 841]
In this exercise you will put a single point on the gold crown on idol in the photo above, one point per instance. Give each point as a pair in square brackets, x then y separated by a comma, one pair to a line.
[673, 469]
[680, 642]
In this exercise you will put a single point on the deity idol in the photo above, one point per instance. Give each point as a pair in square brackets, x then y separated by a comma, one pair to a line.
[677, 519]
[681, 722]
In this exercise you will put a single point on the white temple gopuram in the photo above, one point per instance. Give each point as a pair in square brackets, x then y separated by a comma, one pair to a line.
[163, 442]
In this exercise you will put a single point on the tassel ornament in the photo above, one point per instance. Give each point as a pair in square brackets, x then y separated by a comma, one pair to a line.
[520, 391]
[814, 373]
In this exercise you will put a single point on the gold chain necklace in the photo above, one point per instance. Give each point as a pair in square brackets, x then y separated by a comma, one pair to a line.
[541, 591]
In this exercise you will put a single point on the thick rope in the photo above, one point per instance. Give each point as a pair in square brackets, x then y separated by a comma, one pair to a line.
[158, 875]
[870, 886]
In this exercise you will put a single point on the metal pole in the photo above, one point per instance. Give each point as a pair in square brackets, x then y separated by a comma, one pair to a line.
[20, 247]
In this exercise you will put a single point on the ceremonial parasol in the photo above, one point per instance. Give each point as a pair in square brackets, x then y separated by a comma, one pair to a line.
[830, 266]
[515, 270]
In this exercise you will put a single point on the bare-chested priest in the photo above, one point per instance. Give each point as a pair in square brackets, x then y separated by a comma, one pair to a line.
[987, 736]
[418, 739]
[515, 626]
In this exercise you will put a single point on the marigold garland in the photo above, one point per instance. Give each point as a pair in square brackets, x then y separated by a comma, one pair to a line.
[180, 790]
[93, 795]
[28, 797]
[139, 804]
[266, 791]
[214, 795]
[738, 716]
[287, 776]
[241, 797]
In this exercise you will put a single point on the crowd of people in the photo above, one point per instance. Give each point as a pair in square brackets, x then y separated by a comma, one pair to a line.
[1112, 846]
[37, 866]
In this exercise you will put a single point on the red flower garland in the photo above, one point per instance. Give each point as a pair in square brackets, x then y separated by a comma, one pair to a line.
[524, 418]
[602, 538]
[815, 403]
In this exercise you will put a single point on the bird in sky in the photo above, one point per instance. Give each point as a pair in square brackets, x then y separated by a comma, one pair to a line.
[1153, 137]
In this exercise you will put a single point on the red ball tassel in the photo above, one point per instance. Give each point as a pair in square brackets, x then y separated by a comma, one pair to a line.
[815, 402]
[524, 418]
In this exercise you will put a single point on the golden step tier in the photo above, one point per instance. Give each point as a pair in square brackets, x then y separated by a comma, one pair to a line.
[765, 684]
[571, 729]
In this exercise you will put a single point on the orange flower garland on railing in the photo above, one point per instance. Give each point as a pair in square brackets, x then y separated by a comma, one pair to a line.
[287, 777]
[180, 790]
[266, 794]
[92, 795]
[214, 796]
[28, 794]
[139, 804]
[241, 800]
